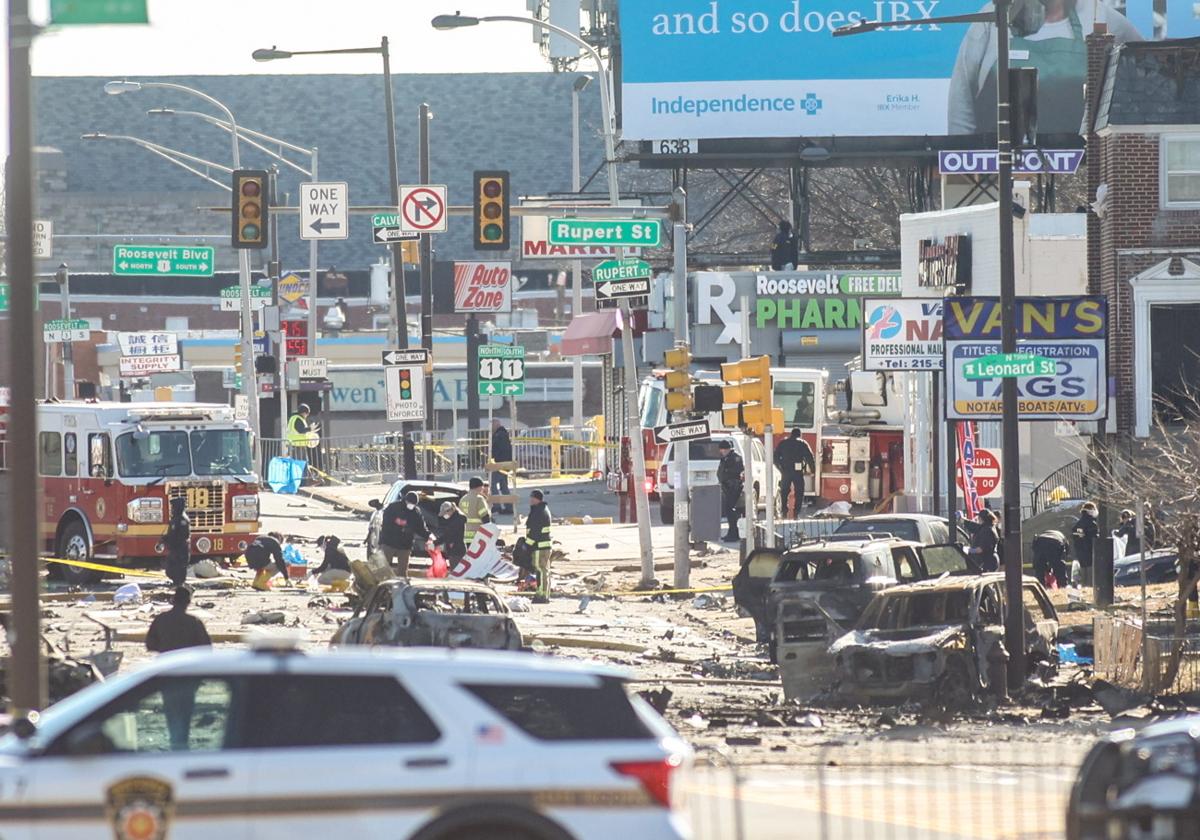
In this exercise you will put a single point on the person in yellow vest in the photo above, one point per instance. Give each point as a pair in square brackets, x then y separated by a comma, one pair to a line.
[300, 433]
[537, 534]
[475, 507]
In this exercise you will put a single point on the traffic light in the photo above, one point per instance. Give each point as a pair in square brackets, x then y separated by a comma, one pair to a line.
[491, 210]
[406, 392]
[237, 359]
[748, 391]
[250, 208]
[679, 380]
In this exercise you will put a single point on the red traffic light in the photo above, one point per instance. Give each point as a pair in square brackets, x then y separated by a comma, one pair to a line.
[492, 189]
[251, 189]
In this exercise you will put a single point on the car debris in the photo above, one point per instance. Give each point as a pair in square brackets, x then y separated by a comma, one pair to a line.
[440, 613]
[940, 639]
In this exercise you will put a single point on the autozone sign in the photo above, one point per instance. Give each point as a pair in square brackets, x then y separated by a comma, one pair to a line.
[482, 287]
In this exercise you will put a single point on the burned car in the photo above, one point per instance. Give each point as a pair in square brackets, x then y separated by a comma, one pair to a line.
[940, 639]
[1139, 784]
[403, 612]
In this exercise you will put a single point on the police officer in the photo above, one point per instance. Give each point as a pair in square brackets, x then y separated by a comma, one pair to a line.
[403, 523]
[475, 507]
[1083, 539]
[178, 542]
[537, 534]
[730, 477]
[794, 459]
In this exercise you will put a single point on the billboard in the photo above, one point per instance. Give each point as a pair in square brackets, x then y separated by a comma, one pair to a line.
[1073, 331]
[902, 334]
[772, 68]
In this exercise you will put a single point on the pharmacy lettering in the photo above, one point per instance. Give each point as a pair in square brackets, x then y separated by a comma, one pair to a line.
[815, 300]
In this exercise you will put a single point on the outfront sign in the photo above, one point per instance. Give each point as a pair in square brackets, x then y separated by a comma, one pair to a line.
[987, 161]
[1070, 331]
[902, 334]
[163, 260]
[483, 287]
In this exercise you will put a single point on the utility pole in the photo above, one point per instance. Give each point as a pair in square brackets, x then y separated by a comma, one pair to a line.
[398, 333]
[63, 276]
[682, 542]
[26, 672]
[312, 285]
[473, 430]
[747, 440]
[281, 388]
[426, 273]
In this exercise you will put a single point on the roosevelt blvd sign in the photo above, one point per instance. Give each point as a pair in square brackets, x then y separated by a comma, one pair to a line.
[690, 430]
[630, 233]
[64, 330]
[1009, 366]
[168, 260]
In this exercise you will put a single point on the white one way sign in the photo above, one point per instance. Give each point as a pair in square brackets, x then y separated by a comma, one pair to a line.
[324, 210]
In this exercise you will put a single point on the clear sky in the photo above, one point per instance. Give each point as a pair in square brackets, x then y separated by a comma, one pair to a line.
[217, 37]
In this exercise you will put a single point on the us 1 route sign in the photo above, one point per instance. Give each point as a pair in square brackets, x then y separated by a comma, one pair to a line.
[423, 208]
[63, 330]
[691, 430]
[324, 210]
[630, 233]
[385, 229]
[404, 384]
[163, 260]
[501, 370]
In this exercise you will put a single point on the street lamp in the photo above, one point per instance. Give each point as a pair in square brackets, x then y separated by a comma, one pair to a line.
[577, 87]
[398, 332]
[117, 87]
[173, 155]
[456, 21]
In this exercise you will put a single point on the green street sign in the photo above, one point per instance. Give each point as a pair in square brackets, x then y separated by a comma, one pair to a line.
[626, 269]
[69, 12]
[501, 370]
[163, 260]
[385, 220]
[1008, 366]
[3, 296]
[231, 298]
[66, 330]
[628, 233]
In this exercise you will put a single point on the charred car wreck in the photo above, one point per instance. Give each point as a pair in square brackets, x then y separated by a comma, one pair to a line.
[940, 639]
[432, 613]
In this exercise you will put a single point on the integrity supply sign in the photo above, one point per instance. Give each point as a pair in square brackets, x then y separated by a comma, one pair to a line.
[1071, 331]
[902, 334]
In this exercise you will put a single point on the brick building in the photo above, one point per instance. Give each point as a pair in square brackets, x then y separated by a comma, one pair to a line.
[1142, 126]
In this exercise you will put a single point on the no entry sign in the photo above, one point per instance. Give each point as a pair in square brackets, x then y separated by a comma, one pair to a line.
[983, 470]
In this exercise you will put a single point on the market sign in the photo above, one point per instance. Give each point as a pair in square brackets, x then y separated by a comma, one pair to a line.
[818, 300]
[1072, 332]
[483, 287]
[945, 263]
[148, 343]
[902, 334]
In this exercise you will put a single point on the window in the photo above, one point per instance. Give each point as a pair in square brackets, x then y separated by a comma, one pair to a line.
[168, 714]
[176, 324]
[905, 564]
[153, 454]
[798, 402]
[991, 609]
[901, 529]
[71, 454]
[221, 452]
[652, 411]
[940, 559]
[1036, 603]
[50, 459]
[99, 456]
[1180, 164]
[336, 710]
[567, 713]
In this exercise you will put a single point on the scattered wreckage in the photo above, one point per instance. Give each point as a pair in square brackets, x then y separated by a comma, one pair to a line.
[941, 640]
[404, 612]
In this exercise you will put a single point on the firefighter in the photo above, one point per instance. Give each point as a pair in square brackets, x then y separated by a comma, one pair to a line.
[794, 459]
[178, 542]
[265, 549]
[335, 565]
[475, 507]
[537, 534]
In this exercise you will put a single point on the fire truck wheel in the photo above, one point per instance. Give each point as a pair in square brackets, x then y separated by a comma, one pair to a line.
[73, 545]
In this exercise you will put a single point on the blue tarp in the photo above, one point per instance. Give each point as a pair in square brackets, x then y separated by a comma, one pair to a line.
[284, 475]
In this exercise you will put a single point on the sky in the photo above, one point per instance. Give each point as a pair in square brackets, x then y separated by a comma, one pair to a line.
[217, 37]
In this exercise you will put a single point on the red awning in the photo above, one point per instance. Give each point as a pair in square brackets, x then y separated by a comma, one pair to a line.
[591, 334]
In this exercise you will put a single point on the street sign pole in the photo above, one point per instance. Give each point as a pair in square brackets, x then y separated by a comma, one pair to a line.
[426, 270]
[313, 245]
[682, 520]
[68, 348]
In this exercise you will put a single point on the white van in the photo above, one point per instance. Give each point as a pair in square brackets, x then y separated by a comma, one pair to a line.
[703, 458]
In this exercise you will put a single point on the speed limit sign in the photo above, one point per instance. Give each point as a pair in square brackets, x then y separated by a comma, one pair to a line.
[501, 371]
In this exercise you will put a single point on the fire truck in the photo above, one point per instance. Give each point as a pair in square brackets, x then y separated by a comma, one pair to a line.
[859, 450]
[108, 471]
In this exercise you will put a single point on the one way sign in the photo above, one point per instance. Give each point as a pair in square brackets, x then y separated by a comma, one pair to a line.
[324, 210]
[691, 430]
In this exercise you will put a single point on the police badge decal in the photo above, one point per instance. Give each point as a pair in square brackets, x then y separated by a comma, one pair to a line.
[140, 808]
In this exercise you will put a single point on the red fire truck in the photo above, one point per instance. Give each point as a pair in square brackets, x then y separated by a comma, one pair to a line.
[109, 470]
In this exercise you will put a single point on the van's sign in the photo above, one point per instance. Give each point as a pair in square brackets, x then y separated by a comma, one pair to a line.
[902, 334]
[1071, 331]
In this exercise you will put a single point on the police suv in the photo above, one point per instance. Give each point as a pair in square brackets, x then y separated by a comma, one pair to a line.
[421, 744]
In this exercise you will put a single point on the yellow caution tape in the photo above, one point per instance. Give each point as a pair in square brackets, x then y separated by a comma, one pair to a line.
[99, 567]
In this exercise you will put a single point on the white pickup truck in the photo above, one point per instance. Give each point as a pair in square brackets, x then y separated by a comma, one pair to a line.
[703, 458]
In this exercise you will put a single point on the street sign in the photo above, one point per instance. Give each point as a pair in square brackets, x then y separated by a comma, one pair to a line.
[404, 390]
[386, 229]
[501, 370]
[43, 239]
[143, 365]
[148, 343]
[292, 287]
[1008, 366]
[691, 430]
[324, 210]
[231, 298]
[405, 357]
[983, 470]
[163, 260]
[629, 268]
[312, 367]
[423, 208]
[482, 287]
[72, 12]
[63, 330]
[615, 290]
[630, 233]
[3, 296]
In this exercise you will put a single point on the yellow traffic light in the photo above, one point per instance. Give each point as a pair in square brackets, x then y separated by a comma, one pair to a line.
[678, 381]
[748, 388]
[677, 358]
[491, 206]
[237, 358]
[251, 208]
[757, 368]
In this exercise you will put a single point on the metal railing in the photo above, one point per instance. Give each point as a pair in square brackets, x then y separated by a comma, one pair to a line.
[1070, 476]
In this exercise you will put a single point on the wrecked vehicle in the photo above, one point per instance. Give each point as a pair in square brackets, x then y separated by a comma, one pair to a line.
[924, 528]
[432, 613]
[941, 639]
[1162, 566]
[1139, 784]
[431, 495]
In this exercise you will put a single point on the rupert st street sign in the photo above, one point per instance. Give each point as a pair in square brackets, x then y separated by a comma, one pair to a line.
[628, 233]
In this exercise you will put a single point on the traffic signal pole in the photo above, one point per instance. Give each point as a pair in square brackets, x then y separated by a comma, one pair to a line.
[681, 523]
[427, 273]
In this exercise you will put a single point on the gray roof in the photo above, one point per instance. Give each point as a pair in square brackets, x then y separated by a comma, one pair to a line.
[1151, 83]
[515, 121]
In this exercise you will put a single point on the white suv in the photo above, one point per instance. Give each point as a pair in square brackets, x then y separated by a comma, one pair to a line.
[703, 458]
[421, 744]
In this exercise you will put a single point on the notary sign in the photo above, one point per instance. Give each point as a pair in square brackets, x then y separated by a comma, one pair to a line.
[902, 334]
[1070, 332]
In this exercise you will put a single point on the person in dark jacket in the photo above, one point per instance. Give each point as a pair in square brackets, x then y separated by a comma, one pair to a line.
[450, 533]
[260, 554]
[1050, 552]
[175, 630]
[501, 451]
[1128, 529]
[537, 534]
[794, 459]
[730, 478]
[335, 565]
[784, 249]
[178, 542]
[984, 549]
[1083, 540]
[403, 524]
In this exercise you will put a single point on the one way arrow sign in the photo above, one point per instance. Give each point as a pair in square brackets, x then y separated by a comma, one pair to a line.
[324, 210]
[405, 357]
[612, 290]
[691, 430]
